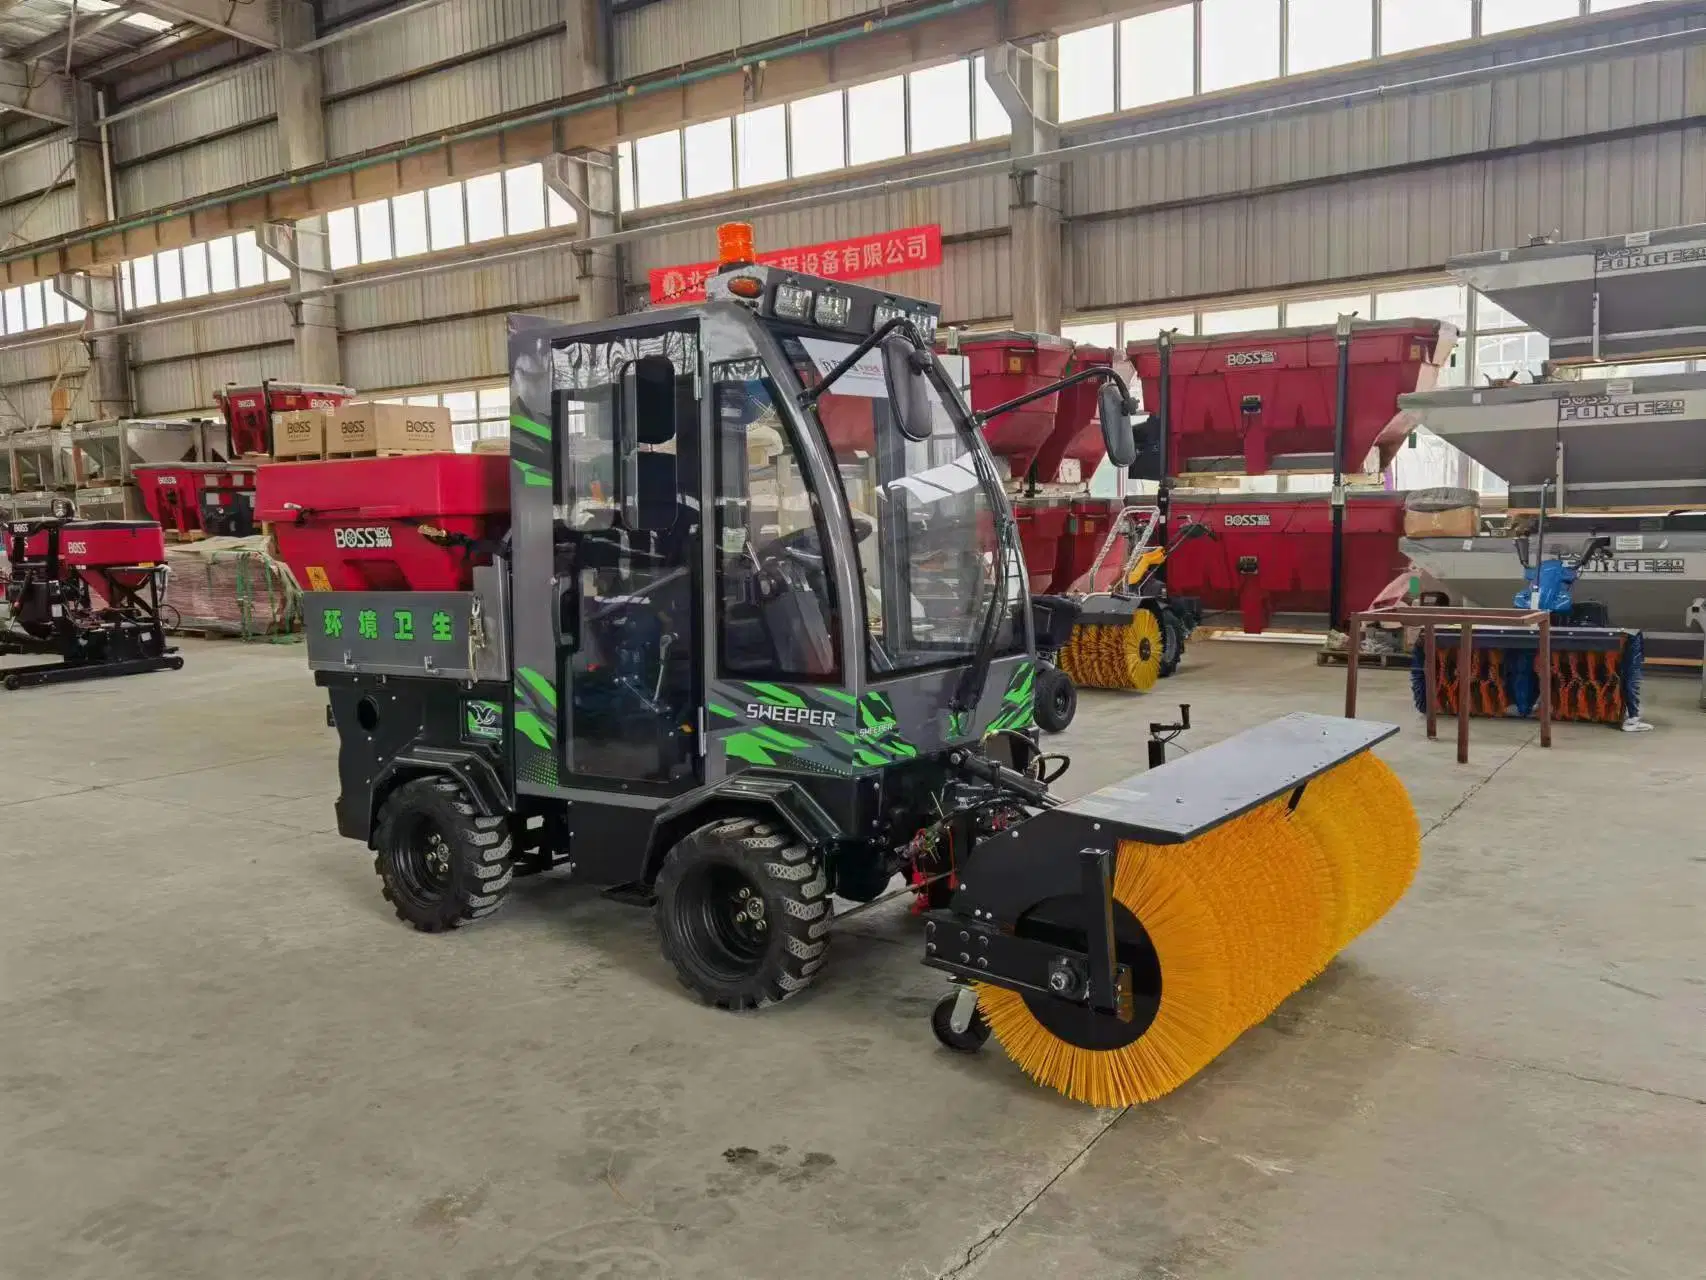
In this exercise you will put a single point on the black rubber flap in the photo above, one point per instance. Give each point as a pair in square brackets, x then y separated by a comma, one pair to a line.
[1208, 787]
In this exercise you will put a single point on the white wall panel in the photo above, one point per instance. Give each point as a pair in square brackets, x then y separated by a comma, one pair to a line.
[458, 29]
[509, 81]
[35, 170]
[250, 156]
[27, 379]
[673, 32]
[242, 99]
[187, 386]
[1385, 225]
[434, 355]
[542, 279]
[231, 331]
[35, 217]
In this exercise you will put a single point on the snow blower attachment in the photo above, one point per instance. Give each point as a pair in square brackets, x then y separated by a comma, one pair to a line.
[1116, 944]
[1134, 634]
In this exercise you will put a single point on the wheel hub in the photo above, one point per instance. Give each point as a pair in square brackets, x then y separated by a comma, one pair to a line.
[1061, 921]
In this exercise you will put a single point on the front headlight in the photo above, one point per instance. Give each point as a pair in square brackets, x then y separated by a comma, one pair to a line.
[833, 310]
[792, 302]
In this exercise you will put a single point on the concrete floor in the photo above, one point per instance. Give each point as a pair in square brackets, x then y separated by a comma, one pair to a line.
[221, 1057]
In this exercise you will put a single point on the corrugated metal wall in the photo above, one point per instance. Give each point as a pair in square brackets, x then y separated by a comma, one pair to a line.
[27, 379]
[673, 32]
[460, 29]
[217, 137]
[1390, 187]
[512, 80]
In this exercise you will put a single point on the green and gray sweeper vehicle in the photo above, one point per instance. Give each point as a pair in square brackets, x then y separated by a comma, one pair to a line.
[743, 626]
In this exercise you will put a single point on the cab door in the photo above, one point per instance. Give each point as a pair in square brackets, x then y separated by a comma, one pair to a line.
[612, 696]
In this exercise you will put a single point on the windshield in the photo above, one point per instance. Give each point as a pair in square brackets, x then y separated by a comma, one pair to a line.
[924, 524]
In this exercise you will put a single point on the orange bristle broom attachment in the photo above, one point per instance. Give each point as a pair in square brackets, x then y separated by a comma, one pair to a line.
[1239, 918]
[1101, 655]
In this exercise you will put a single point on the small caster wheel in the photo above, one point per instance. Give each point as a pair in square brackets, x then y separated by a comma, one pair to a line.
[14, 684]
[976, 1030]
[177, 664]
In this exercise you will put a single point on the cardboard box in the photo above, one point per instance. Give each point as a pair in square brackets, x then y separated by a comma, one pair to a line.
[299, 435]
[1457, 522]
[368, 427]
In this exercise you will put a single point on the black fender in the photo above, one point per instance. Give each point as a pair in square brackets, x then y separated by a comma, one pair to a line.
[747, 792]
[473, 771]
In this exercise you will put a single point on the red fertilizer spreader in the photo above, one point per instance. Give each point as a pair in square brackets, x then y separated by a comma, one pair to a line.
[1273, 553]
[249, 410]
[89, 592]
[1267, 400]
[215, 498]
[414, 522]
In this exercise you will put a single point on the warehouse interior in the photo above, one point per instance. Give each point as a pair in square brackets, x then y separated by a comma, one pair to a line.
[224, 1050]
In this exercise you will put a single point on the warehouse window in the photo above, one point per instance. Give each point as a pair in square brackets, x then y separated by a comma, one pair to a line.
[1093, 335]
[817, 134]
[343, 249]
[222, 264]
[251, 262]
[445, 221]
[1086, 62]
[1510, 15]
[761, 146]
[941, 106]
[1448, 302]
[24, 308]
[485, 202]
[196, 283]
[1239, 319]
[373, 226]
[1406, 25]
[657, 169]
[1327, 33]
[876, 121]
[1240, 42]
[988, 115]
[409, 234]
[524, 200]
[1157, 57]
[1317, 311]
[169, 266]
[710, 158]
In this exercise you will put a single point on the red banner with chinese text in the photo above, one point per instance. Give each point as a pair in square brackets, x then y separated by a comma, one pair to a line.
[909, 249]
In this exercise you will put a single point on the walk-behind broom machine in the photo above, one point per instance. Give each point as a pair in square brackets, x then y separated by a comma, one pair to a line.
[757, 635]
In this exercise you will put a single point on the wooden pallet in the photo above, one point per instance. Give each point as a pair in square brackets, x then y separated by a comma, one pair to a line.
[1339, 658]
[192, 535]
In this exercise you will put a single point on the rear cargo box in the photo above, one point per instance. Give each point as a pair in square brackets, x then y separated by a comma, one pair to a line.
[354, 524]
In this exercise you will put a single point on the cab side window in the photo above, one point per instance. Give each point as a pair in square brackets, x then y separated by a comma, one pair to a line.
[776, 608]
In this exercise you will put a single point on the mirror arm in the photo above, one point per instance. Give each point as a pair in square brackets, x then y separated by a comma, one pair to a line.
[1100, 373]
[901, 324]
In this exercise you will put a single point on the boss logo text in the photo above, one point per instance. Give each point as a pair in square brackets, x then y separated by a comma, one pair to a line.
[1246, 359]
[371, 539]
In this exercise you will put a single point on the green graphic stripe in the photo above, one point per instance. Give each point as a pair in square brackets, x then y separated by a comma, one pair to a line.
[543, 687]
[775, 693]
[533, 477]
[718, 709]
[745, 746]
[839, 696]
[521, 422]
[533, 729]
[786, 741]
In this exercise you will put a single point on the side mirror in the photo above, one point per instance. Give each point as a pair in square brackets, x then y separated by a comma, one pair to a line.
[1521, 551]
[647, 418]
[909, 392]
[1147, 465]
[648, 402]
[1117, 433]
